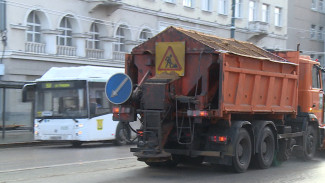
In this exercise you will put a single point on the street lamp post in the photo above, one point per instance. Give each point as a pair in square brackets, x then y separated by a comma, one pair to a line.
[233, 28]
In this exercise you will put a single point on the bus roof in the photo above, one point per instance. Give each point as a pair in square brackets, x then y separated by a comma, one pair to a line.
[89, 73]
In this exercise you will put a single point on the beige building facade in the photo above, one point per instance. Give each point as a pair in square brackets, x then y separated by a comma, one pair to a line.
[306, 24]
[41, 34]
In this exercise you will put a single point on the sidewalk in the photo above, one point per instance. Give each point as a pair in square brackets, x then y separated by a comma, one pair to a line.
[16, 137]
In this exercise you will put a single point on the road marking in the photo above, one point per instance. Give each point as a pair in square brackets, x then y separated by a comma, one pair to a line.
[66, 164]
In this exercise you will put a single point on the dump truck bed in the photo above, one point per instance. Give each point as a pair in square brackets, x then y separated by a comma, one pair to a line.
[258, 85]
[225, 76]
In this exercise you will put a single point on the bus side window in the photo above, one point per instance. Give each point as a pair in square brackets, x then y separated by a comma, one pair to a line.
[98, 104]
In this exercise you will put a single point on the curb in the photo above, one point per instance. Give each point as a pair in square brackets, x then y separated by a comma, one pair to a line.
[27, 144]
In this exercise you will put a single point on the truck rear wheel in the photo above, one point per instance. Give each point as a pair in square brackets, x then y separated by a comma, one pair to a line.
[266, 148]
[243, 151]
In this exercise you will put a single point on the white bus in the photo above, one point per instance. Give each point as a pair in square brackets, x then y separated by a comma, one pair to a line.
[71, 105]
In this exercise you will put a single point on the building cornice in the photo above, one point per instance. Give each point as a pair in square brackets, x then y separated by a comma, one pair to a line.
[63, 59]
[81, 35]
[108, 39]
[172, 16]
[189, 20]
[49, 31]
[18, 27]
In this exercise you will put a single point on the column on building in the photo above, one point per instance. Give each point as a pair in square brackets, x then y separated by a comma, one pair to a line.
[107, 46]
[80, 41]
[50, 38]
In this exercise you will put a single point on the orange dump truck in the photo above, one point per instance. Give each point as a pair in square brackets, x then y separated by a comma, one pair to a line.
[203, 98]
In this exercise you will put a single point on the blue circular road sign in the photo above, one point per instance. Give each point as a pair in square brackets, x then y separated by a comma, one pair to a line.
[118, 88]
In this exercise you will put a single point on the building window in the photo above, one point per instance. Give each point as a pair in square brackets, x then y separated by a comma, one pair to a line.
[188, 3]
[313, 4]
[207, 5]
[120, 35]
[223, 7]
[238, 11]
[252, 11]
[312, 31]
[93, 41]
[321, 5]
[34, 28]
[265, 12]
[320, 33]
[145, 35]
[65, 39]
[277, 16]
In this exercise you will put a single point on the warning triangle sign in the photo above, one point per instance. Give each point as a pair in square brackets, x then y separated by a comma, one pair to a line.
[169, 61]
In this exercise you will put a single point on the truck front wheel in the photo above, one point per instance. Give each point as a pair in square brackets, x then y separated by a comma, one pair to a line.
[308, 149]
[311, 143]
[266, 148]
[243, 151]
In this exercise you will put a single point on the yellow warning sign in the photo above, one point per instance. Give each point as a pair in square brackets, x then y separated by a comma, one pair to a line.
[170, 57]
[100, 124]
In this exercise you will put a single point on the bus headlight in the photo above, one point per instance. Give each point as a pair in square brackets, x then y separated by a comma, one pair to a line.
[36, 125]
[80, 132]
[80, 125]
[36, 133]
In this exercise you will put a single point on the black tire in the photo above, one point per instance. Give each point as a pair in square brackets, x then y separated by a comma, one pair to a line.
[76, 144]
[311, 143]
[266, 149]
[243, 151]
[122, 135]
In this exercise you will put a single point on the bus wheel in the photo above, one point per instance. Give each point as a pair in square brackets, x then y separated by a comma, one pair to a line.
[122, 135]
[266, 148]
[243, 151]
[76, 144]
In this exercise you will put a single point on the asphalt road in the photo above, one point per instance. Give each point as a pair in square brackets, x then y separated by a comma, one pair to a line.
[107, 163]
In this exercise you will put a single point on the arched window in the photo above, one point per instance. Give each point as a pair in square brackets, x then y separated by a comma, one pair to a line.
[65, 39]
[145, 35]
[121, 35]
[34, 28]
[93, 41]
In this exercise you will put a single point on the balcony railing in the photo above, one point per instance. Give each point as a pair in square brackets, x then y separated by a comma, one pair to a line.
[33, 47]
[94, 53]
[258, 26]
[120, 56]
[66, 50]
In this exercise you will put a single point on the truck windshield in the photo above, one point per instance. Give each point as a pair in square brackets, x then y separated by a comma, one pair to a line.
[61, 100]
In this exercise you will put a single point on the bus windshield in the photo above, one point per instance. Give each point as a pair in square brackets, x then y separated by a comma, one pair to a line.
[61, 100]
